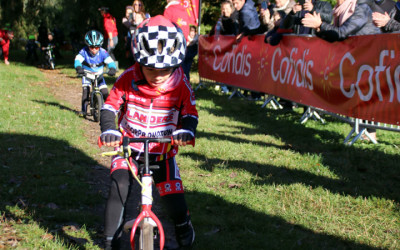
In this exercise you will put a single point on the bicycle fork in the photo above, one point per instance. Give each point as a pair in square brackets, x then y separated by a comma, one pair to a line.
[147, 220]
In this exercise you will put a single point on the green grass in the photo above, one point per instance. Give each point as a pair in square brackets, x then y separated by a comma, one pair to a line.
[257, 178]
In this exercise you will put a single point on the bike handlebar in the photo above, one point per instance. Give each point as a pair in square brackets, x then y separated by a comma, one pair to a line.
[86, 74]
[126, 140]
[143, 140]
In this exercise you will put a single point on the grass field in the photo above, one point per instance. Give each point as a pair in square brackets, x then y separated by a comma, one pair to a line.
[257, 178]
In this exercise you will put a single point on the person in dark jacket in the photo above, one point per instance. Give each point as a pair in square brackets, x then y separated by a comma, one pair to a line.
[249, 23]
[229, 20]
[351, 17]
[389, 18]
[293, 19]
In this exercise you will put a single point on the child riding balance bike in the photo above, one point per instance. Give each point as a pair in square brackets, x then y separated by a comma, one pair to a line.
[93, 58]
[152, 98]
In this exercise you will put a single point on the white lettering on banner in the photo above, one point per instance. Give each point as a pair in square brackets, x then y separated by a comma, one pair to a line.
[300, 69]
[349, 93]
[240, 62]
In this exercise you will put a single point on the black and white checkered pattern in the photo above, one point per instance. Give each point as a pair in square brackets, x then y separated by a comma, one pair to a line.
[145, 46]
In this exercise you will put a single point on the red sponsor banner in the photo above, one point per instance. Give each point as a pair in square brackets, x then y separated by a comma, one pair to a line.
[358, 77]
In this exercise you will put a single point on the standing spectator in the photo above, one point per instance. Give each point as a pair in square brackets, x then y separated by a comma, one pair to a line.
[43, 40]
[110, 32]
[177, 14]
[229, 19]
[228, 24]
[389, 20]
[272, 16]
[291, 22]
[191, 50]
[75, 40]
[351, 17]
[5, 37]
[58, 41]
[139, 13]
[127, 21]
[249, 23]
[134, 15]
[293, 19]
[31, 48]
[42, 36]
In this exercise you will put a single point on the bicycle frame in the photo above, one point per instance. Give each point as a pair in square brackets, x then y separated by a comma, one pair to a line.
[49, 56]
[95, 93]
[146, 216]
[94, 82]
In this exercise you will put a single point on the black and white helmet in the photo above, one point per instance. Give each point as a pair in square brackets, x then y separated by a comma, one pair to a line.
[159, 43]
[94, 38]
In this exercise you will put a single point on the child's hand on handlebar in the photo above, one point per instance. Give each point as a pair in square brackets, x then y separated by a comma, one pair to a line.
[112, 72]
[182, 137]
[80, 70]
[111, 138]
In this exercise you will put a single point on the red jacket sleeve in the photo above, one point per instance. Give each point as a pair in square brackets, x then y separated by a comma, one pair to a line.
[110, 26]
[5, 44]
[189, 115]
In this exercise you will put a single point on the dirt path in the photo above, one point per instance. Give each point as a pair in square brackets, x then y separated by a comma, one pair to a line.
[72, 94]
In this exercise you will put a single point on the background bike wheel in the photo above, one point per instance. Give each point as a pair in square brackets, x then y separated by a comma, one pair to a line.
[97, 104]
[52, 65]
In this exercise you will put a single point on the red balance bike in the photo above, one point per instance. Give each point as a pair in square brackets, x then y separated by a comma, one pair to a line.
[151, 229]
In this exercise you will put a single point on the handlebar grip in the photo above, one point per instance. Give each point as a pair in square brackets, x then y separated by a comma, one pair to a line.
[100, 143]
[192, 142]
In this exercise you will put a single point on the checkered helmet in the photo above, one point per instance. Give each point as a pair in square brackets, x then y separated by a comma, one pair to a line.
[94, 38]
[159, 43]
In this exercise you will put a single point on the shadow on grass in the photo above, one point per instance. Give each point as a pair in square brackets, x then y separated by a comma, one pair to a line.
[366, 172]
[54, 185]
[62, 107]
[216, 220]
[56, 104]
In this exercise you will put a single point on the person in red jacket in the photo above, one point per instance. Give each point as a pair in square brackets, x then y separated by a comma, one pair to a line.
[177, 13]
[110, 31]
[5, 37]
[152, 98]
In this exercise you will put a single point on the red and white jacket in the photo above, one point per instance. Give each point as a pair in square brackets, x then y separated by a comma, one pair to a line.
[110, 26]
[4, 43]
[150, 112]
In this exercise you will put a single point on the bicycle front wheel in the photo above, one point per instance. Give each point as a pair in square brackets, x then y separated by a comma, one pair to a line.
[97, 104]
[52, 64]
[146, 240]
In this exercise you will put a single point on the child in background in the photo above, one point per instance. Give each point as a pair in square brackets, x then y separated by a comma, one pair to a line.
[157, 101]
[93, 58]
